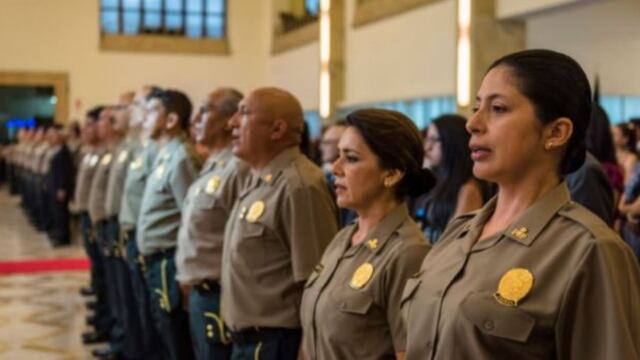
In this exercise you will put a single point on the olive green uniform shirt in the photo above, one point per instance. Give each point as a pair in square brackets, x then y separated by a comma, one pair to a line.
[582, 301]
[206, 210]
[86, 172]
[275, 235]
[140, 165]
[174, 170]
[351, 303]
[98, 193]
[117, 176]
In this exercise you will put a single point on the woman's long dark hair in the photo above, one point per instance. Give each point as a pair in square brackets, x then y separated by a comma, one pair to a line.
[599, 140]
[454, 170]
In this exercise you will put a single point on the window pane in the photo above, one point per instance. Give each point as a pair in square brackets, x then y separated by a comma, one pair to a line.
[152, 5]
[173, 21]
[109, 21]
[109, 3]
[312, 6]
[194, 6]
[215, 26]
[194, 25]
[131, 22]
[174, 5]
[151, 19]
[215, 6]
[131, 4]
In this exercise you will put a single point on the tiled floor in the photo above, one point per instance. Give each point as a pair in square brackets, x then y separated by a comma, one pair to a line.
[41, 315]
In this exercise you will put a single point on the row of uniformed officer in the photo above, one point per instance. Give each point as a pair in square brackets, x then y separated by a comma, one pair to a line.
[40, 169]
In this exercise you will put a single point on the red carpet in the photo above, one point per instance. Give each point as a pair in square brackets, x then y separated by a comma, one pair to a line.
[43, 265]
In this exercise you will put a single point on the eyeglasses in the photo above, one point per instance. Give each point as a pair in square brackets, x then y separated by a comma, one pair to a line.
[432, 139]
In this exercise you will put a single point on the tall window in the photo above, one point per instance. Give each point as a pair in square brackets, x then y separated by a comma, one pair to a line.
[189, 18]
[312, 6]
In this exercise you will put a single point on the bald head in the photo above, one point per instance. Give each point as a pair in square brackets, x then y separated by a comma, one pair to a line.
[280, 104]
[269, 120]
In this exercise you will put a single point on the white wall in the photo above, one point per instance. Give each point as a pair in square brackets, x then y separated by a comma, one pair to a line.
[603, 36]
[406, 56]
[517, 8]
[63, 36]
[297, 70]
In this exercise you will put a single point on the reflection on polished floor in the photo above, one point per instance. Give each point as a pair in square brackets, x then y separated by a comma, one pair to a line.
[41, 315]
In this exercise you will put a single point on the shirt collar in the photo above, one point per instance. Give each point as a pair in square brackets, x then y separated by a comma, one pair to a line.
[526, 228]
[378, 237]
[221, 158]
[271, 172]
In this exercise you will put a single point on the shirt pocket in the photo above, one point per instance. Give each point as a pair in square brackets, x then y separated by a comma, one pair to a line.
[204, 202]
[496, 320]
[410, 288]
[355, 303]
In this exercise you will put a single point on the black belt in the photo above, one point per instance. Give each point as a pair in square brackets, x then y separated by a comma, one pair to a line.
[160, 254]
[263, 334]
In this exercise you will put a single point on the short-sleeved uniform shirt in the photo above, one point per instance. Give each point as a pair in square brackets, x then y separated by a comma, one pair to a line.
[98, 193]
[206, 210]
[174, 170]
[117, 176]
[276, 234]
[556, 283]
[141, 162]
[351, 303]
[86, 172]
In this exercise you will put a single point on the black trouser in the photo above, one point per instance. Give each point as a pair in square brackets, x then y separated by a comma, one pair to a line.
[59, 210]
[266, 343]
[125, 305]
[104, 321]
[210, 337]
[149, 335]
[116, 333]
[170, 319]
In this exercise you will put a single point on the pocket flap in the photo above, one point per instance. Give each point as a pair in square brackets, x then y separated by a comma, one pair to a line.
[356, 303]
[204, 201]
[252, 229]
[495, 319]
[410, 288]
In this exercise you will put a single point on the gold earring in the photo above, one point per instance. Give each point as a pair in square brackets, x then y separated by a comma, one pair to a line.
[387, 183]
[548, 146]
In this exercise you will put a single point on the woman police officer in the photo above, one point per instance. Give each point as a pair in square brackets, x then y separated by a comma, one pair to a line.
[531, 275]
[350, 307]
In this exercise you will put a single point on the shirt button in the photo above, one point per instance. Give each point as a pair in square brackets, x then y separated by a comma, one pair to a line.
[429, 345]
[488, 325]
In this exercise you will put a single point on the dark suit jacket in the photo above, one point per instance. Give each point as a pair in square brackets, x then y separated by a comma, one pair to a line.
[60, 175]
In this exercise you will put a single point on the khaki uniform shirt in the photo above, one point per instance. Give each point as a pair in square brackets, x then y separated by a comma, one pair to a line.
[174, 170]
[117, 175]
[351, 303]
[206, 210]
[581, 302]
[140, 165]
[275, 235]
[98, 194]
[86, 172]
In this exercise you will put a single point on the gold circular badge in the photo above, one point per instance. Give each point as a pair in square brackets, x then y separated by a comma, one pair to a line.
[213, 184]
[255, 211]
[514, 286]
[123, 156]
[106, 159]
[137, 163]
[361, 276]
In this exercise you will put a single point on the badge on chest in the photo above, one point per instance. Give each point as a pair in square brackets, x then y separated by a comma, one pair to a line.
[361, 276]
[514, 286]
